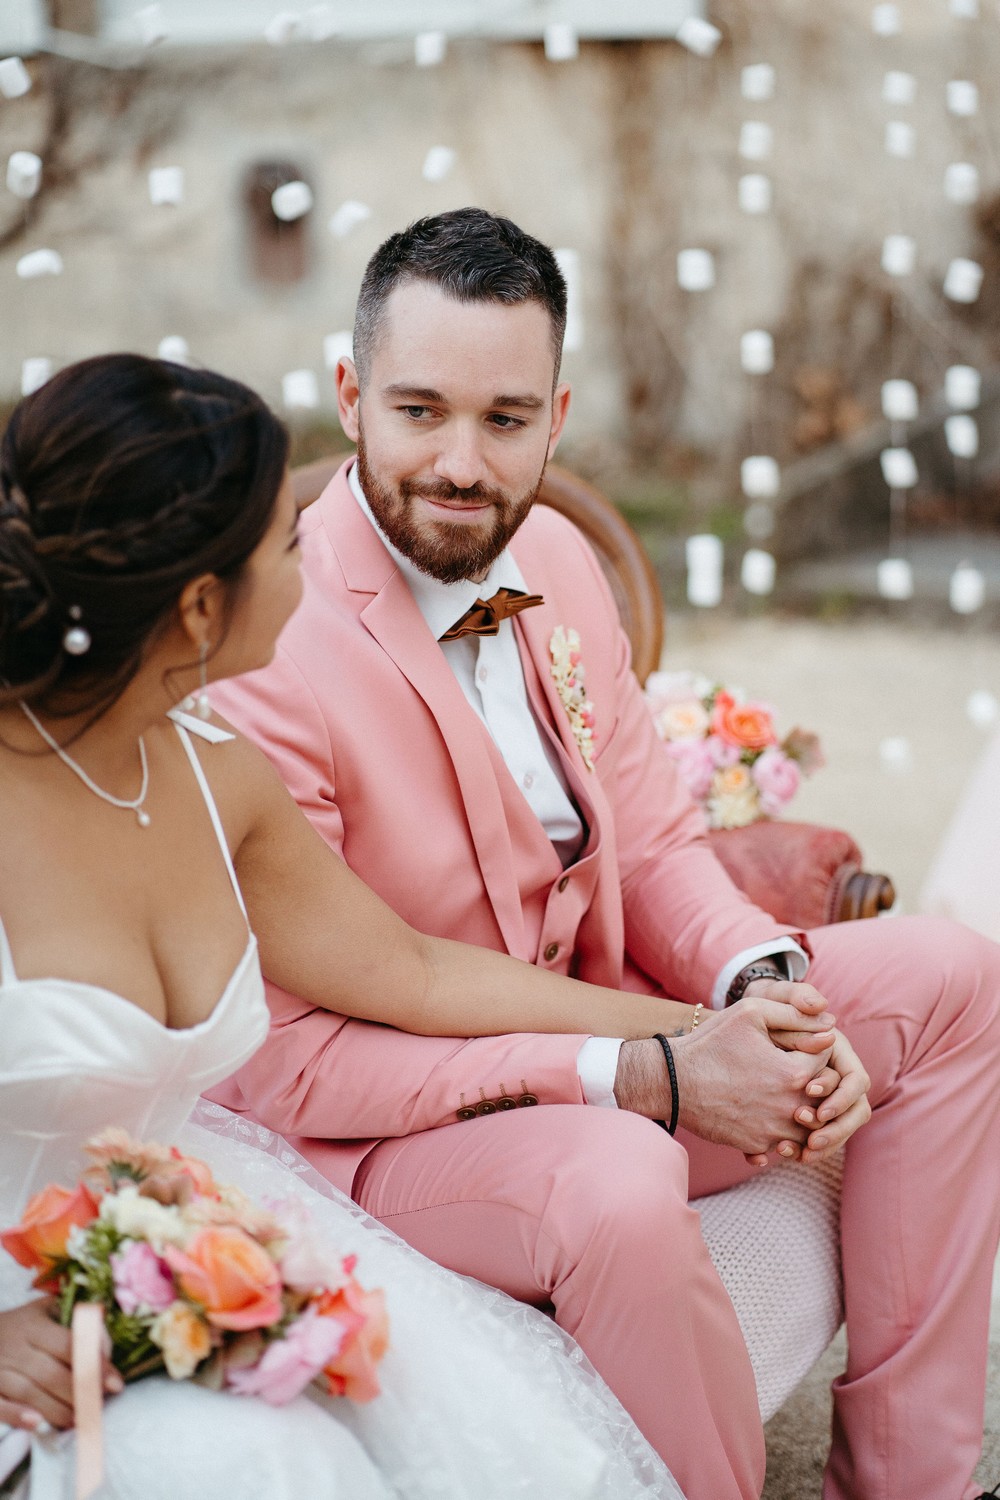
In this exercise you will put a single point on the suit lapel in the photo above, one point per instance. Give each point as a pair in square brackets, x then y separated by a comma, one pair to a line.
[389, 613]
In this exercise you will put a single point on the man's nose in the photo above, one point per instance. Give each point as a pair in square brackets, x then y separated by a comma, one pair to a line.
[460, 459]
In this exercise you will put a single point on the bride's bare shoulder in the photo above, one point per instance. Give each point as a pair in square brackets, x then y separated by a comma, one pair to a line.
[243, 782]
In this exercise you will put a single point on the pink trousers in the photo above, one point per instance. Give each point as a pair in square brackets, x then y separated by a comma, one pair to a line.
[587, 1209]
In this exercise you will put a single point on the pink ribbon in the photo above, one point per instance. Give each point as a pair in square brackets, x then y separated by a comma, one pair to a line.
[88, 1396]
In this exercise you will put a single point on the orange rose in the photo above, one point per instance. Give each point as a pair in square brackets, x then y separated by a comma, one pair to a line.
[198, 1172]
[40, 1239]
[747, 725]
[231, 1276]
[352, 1372]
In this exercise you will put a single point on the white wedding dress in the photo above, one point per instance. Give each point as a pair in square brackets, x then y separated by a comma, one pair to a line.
[480, 1395]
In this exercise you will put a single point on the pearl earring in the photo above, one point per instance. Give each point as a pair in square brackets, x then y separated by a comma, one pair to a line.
[76, 640]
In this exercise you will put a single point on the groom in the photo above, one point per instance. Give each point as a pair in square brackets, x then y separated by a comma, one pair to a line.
[438, 745]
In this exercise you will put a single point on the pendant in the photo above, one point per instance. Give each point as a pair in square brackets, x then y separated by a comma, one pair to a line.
[143, 816]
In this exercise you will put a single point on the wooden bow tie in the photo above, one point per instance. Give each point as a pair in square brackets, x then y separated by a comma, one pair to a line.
[485, 615]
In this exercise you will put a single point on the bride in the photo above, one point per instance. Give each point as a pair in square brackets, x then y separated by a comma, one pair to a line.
[147, 543]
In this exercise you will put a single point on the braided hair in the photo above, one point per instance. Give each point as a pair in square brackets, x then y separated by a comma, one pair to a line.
[122, 479]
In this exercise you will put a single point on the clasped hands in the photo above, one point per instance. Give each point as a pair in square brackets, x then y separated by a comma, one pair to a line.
[769, 1074]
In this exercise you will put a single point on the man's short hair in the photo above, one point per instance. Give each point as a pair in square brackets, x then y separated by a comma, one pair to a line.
[473, 256]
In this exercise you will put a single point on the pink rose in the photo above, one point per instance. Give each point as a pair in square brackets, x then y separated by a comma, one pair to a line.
[777, 780]
[289, 1364]
[723, 755]
[694, 761]
[142, 1280]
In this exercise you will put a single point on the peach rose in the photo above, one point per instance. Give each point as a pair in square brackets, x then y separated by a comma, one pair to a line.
[184, 1339]
[733, 801]
[745, 724]
[231, 1276]
[40, 1238]
[682, 721]
[352, 1372]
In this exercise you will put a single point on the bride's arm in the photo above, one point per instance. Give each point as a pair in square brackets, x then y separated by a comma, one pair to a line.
[326, 937]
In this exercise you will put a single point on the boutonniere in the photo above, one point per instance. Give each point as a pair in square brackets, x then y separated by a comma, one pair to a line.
[568, 675]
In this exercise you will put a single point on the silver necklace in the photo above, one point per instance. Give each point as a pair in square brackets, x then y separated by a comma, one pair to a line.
[133, 805]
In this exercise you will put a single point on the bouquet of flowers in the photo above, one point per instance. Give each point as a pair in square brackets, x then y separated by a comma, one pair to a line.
[728, 751]
[195, 1280]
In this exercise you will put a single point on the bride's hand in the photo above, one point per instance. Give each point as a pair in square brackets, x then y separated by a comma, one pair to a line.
[36, 1377]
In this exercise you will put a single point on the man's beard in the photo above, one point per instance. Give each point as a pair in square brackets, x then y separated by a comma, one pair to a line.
[449, 553]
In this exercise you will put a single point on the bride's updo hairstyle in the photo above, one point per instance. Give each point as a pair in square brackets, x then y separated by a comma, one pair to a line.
[121, 480]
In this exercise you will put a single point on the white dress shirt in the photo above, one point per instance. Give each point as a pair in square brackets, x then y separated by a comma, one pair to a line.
[489, 672]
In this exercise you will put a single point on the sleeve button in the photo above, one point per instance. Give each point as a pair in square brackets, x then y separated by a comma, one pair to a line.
[527, 1099]
[506, 1102]
[486, 1108]
[466, 1114]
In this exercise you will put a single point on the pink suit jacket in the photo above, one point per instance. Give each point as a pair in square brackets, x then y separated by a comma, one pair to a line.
[366, 724]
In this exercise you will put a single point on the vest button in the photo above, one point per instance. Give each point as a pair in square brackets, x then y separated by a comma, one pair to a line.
[563, 883]
[551, 952]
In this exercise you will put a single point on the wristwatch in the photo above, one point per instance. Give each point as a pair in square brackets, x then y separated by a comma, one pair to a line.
[764, 968]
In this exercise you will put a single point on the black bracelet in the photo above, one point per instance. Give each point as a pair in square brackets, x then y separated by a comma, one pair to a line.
[675, 1098]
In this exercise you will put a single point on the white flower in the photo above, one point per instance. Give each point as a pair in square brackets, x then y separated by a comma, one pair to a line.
[143, 1218]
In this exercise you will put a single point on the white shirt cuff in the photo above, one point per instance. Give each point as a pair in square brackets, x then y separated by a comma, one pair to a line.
[597, 1067]
[795, 959]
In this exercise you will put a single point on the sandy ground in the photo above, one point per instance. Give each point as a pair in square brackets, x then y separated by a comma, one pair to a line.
[856, 685]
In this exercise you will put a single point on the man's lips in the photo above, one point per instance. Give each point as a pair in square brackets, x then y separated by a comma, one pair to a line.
[457, 509]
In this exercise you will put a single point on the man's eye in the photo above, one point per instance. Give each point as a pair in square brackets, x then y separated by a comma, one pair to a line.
[505, 422]
[416, 412]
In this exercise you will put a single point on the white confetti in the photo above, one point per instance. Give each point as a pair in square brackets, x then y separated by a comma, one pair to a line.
[703, 555]
[568, 262]
[982, 708]
[961, 182]
[438, 163]
[894, 578]
[429, 48]
[753, 193]
[757, 571]
[283, 27]
[166, 185]
[695, 270]
[347, 217]
[756, 140]
[961, 433]
[899, 254]
[899, 400]
[885, 20]
[300, 388]
[757, 352]
[758, 521]
[963, 280]
[150, 25]
[338, 346]
[963, 97]
[896, 753]
[966, 590]
[15, 79]
[175, 349]
[698, 36]
[899, 88]
[291, 201]
[760, 477]
[39, 263]
[34, 373]
[899, 468]
[561, 42]
[24, 173]
[900, 138]
[962, 387]
[757, 82]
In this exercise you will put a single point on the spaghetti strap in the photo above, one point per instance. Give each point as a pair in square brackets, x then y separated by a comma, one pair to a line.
[8, 974]
[213, 811]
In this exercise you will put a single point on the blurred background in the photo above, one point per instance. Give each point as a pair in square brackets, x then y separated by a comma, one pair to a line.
[780, 225]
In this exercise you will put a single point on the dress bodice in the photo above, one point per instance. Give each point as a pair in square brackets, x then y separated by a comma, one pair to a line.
[75, 1058]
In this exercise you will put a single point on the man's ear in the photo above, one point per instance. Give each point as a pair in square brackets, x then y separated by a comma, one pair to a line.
[200, 610]
[348, 397]
[560, 410]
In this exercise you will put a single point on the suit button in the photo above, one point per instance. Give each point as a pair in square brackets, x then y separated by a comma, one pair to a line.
[527, 1099]
[506, 1102]
[486, 1108]
[466, 1114]
[551, 952]
[563, 883]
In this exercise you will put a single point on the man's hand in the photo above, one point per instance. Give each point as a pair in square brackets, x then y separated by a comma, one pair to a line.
[36, 1378]
[736, 1087]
